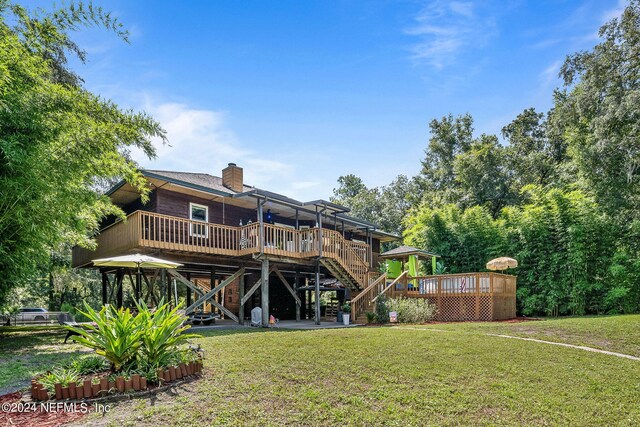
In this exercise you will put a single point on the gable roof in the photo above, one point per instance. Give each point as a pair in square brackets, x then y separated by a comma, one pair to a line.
[405, 251]
[204, 182]
[198, 179]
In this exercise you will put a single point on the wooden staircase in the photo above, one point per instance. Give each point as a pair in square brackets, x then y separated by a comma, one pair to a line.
[340, 273]
[342, 261]
[366, 299]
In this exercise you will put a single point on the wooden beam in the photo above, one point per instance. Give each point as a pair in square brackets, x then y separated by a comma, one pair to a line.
[174, 273]
[119, 277]
[188, 299]
[288, 286]
[241, 297]
[104, 288]
[260, 227]
[265, 293]
[225, 311]
[212, 292]
[253, 289]
[151, 294]
[296, 285]
[317, 293]
[164, 286]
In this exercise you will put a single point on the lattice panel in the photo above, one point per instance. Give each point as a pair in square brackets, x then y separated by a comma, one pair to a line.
[486, 308]
[456, 308]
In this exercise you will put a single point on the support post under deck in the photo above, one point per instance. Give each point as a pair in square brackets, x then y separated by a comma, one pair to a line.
[240, 297]
[265, 293]
[317, 293]
[105, 280]
[119, 277]
[295, 288]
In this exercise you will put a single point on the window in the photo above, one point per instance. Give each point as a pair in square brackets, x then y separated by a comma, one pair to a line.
[199, 213]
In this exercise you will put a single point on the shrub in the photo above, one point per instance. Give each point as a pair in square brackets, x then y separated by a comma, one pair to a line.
[381, 312]
[163, 333]
[371, 316]
[78, 316]
[116, 334]
[411, 310]
[64, 376]
[88, 365]
[133, 344]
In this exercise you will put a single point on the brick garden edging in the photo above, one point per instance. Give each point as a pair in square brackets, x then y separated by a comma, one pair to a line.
[119, 387]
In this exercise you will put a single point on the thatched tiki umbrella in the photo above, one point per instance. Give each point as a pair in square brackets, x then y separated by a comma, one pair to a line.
[503, 263]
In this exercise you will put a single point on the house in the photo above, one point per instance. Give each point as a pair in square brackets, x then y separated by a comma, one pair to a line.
[233, 240]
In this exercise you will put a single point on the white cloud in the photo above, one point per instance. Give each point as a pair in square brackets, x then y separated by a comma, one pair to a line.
[615, 12]
[200, 141]
[549, 76]
[445, 29]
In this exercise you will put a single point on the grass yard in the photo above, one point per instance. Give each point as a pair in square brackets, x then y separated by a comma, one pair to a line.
[620, 334]
[447, 374]
[29, 350]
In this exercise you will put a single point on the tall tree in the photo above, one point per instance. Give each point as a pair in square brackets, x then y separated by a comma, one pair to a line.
[483, 175]
[450, 136]
[535, 154]
[57, 139]
[385, 206]
[598, 114]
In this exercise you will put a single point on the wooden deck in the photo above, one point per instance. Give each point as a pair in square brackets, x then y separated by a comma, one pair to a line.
[458, 297]
[150, 230]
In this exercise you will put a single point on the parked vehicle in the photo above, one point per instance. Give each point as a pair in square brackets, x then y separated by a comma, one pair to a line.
[32, 314]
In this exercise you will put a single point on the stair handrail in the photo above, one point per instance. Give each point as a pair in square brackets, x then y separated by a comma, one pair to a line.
[356, 303]
[344, 260]
[368, 288]
[404, 273]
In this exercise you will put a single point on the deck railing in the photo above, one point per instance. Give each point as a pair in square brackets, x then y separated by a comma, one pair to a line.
[144, 229]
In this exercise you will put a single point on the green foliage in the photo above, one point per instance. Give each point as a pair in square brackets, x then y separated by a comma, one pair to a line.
[569, 259]
[384, 205]
[371, 316]
[346, 308]
[440, 268]
[411, 310]
[59, 375]
[116, 335]
[381, 312]
[598, 114]
[135, 344]
[162, 334]
[58, 141]
[88, 365]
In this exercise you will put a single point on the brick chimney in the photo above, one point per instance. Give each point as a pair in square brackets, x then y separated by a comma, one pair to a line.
[232, 177]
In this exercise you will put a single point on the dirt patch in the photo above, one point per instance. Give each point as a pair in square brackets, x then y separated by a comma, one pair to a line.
[519, 320]
[17, 411]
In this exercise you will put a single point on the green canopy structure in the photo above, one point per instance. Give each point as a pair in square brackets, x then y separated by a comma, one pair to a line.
[405, 253]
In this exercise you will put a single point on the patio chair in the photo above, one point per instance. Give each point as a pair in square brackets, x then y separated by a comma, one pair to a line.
[67, 319]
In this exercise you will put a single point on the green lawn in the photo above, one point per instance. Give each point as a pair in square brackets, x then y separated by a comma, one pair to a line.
[620, 334]
[450, 375]
[26, 351]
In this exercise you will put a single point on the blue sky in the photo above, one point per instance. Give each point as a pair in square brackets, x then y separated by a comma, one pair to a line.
[301, 92]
